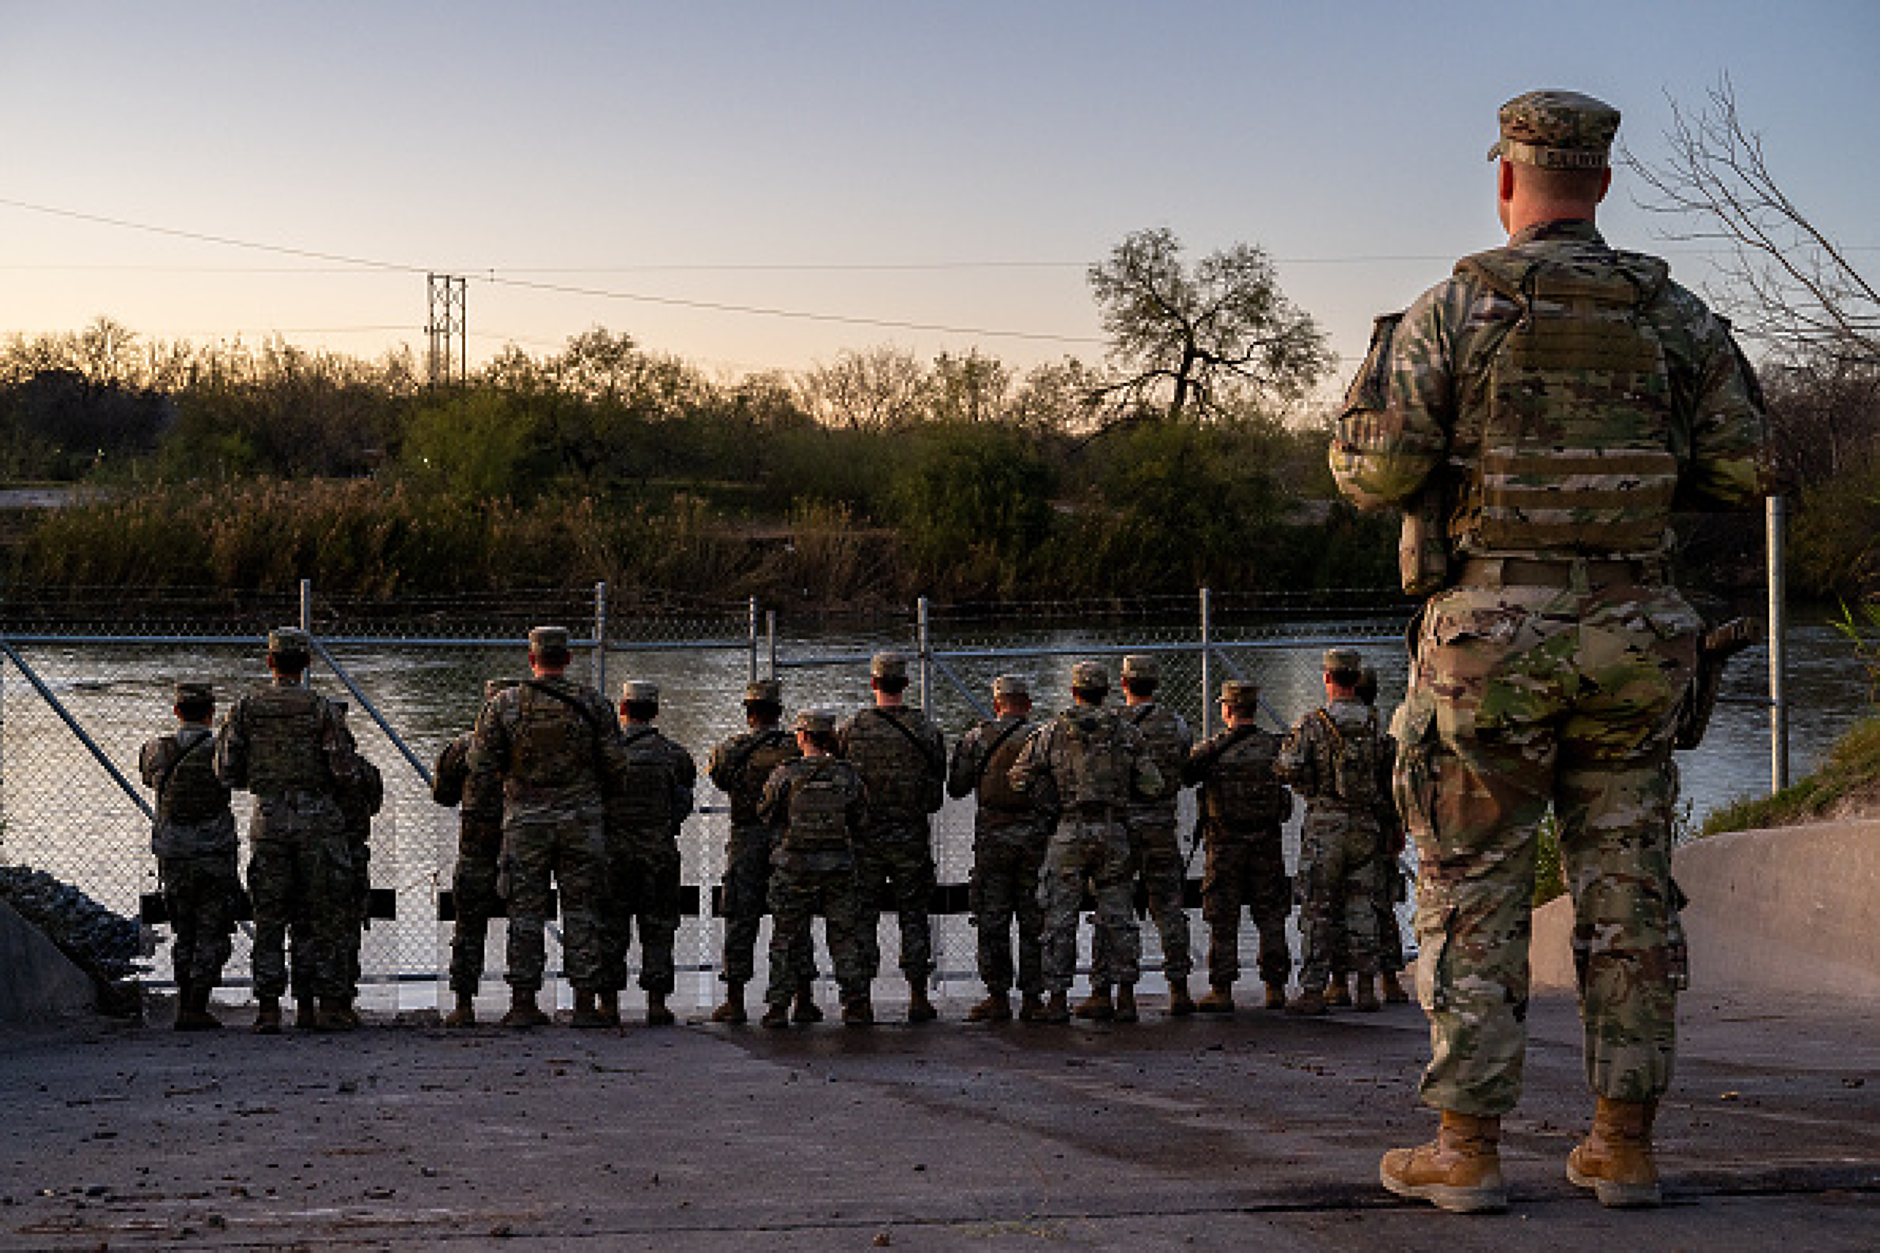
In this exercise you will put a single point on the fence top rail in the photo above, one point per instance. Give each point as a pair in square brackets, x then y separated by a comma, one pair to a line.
[372, 641]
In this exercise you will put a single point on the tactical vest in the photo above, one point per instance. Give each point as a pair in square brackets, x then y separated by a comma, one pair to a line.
[190, 792]
[818, 809]
[451, 772]
[362, 796]
[1162, 730]
[1242, 791]
[1574, 453]
[1353, 759]
[552, 745]
[648, 790]
[286, 740]
[887, 750]
[995, 772]
[1096, 769]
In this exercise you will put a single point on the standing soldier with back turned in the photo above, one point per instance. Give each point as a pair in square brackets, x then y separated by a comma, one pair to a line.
[1538, 416]
[473, 881]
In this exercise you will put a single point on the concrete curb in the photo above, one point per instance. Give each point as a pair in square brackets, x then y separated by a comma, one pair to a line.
[38, 983]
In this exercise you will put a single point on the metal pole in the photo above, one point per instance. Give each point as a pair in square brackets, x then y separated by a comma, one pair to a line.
[770, 635]
[372, 712]
[1778, 645]
[1207, 669]
[71, 723]
[306, 624]
[926, 648]
[752, 676]
[600, 638]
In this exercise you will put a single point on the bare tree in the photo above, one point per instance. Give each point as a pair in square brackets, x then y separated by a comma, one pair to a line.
[882, 389]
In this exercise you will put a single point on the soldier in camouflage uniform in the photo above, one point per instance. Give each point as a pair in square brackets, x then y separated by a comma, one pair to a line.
[194, 840]
[360, 800]
[1334, 759]
[289, 747]
[1391, 888]
[1088, 766]
[645, 808]
[555, 745]
[740, 767]
[1242, 807]
[902, 759]
[1009, 836]
[1538, 416]
[1155, 852]
[473, 881]
[819, 804]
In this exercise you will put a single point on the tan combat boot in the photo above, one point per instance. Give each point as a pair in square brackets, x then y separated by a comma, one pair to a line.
[1459, 1171]
[1097, 1006]
[997, 1007]
[607, 1004]
[657, 1014]
[1126, 1002]
[1219, 1000]
[805, 1009]
[586, 1012]
[732, 1011]
[1057, 1010]
[1338, 993]
[858, 1011]
[1309, 1001]
[1276, 996]
[331, 1014]
[350, 1012]
[268, 1016]
[306, 1013]
[1364, 998]
[1615, 1160]
[1180, 1004]
[193, 1013]
[1031, 1007]
[523, 1011]
[776, 1015]
[465, 1014]
[1394, 991]
[919, 1008]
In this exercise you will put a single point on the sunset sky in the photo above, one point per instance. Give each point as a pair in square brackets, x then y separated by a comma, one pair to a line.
[762, 185]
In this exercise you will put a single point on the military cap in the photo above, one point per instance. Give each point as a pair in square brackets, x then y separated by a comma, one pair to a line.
[1141, 666]
[1240, 694]
[1342, 659]
[816, 721]
[548, 639]
[1010, 685]
[1090, 676]
[888, 666]
[768, 690]
[198, 692]
[493, 687]
[289, 640]
[1557, 130]
[640, 692]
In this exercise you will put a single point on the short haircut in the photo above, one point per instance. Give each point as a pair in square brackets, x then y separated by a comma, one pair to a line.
[292, 661]
[554, 656]
[1554, 184]
[1094, 695]
[1345, 678]
[825, 740]
[893, 685]
[196, 708]
[768, 710]
[1140, 685]
[641, 710]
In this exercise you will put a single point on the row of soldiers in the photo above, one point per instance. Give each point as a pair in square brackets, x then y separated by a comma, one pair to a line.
[557, 790]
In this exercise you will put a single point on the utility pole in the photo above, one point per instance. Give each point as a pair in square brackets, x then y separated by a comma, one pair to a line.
[450, 358]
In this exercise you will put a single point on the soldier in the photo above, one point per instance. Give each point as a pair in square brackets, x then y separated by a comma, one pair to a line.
[902, 759]
[1334, 759]
[360, 800]
[555, 745]
[1155, 853]
[1242, 807]
[1009, 836]
[1391, 888]
[1537, 416]
[740, 767]
[1088, 766]
[194, 840]
[289, 747]
[473, 880]
[645, 808]
[819, 803]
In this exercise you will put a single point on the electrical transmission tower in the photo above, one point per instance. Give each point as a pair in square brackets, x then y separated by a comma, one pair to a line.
[450, 358]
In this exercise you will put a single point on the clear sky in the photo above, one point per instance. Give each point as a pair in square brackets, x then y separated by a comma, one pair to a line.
[884, 166]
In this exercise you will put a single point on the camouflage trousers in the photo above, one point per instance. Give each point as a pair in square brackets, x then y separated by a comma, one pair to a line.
[1003, 889]
[1391, 890]
[1155, 857]
[201, 892]
[642, 887]
[746, 898]
[362, 914]
[1336, 888]
[1521, 698]
[572, 851]
[1095, 852]
[304, 882]
[803, 885]
[894, 867]
[473, 896]
[1246, 871]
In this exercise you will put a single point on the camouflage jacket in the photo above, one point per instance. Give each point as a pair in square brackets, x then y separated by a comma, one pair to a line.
[1335, 759]
[817, 802]
[193, 814]
[553, 743]
[981, 766]
[902, 758]
[1087, 764]
[1169, 739]
[743, 764]
[654, 794]
[478, 800]
[1240, 793]
[285, 738]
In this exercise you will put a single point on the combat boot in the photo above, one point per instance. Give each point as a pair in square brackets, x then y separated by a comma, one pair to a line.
[268, 1016]
[1126, 1002]
[1057, 1010]
[1460, 1170]
[350, 1013]
[523, 1011]
[805, 1009]
[1394, 991]
[1219, 1000]
[919, 1007]
[1338, 993]
[1615, 1159]
[465, 1014]
[1309, 1001]
[193, 1013]
[776, 1015]
[997, 1007]
[732, 1011]
[306, 1013]
[1031, 1007]
[1180, 1004]
[657, 1015]
[1096, 1006]
[586, 1012]
[1364, 998]
[608, 1004]
[858, 1011]
[331, 1014]
[1276, 996]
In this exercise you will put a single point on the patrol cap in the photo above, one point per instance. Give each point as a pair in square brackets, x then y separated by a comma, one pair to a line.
[816, 721]
[888, 666]
[1090, 676]
[197, 692]
[493, 687]
[639, 692]
[768, 690]
[1011, 685]
[548, 639]
[289, 640]
[1240, 694]
[1557, 130]
[1141, 666]
[1343, 659]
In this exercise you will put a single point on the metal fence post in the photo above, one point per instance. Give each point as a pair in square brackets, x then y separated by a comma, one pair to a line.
[600, 638]
[926, 646]
[306, 624]
[1207, 669]
[770, 639]
[751, 677]
[1778, 644]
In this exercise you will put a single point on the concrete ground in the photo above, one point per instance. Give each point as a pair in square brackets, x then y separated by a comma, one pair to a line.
[1197, 1132]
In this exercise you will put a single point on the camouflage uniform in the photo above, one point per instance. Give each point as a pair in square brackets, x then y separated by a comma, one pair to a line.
[479, 847]
[901, 757]
[360, 800]
[645, 807]
[1009, 838]
[1088, 765]
[1538, 415]
[288, 746]
[1242, 807]
[1334, 760]
[818, 803]
[195, 844]
[553, 743]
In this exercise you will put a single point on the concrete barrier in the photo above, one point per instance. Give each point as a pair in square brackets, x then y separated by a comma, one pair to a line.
[1788, 910]
[38, 983]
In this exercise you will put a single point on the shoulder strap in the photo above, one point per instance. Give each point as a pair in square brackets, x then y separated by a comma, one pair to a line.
[919, 746]
[734, 766]
[164, 782]
[1331, 728]
[639, 733]
[557, 694]
[992, 750]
